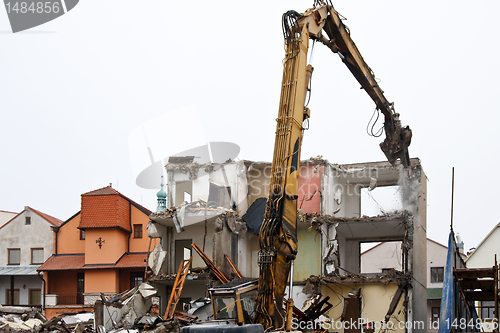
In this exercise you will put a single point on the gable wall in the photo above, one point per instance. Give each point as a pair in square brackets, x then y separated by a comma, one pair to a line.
[17, 234]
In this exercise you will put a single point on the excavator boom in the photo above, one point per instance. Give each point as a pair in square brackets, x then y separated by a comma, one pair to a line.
[278, 233]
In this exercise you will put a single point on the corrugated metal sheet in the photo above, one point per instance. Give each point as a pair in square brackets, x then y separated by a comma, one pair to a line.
[18, 270]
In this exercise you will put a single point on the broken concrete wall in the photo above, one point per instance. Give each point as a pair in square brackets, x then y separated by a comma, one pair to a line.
[416, 202]
[200, 234]
[228, 179]
[375, 301]
[225, 240]
[341, 195]
[310, 178]
[248, 251]
[308, 260]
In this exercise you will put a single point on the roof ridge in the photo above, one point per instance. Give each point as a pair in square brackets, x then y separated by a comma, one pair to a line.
[6, 211]
[11, 219]
[49, 218]
[437, 242]
[108, 190]
[102, 189]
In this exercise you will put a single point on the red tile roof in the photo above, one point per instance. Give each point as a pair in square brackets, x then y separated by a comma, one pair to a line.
[52, 220]
[132, 261]
[74, 262]
[107, 208]
[63, 262]
[108, 190]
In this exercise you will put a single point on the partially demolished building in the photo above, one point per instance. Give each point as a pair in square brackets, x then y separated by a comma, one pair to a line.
[220, 207]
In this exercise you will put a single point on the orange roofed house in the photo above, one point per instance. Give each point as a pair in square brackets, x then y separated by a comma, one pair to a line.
[101, 249]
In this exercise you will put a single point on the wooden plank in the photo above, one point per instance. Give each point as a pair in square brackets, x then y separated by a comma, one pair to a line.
[465, 273]
[222, 278]
[175, 295]
[479, 295]
[485, 285]
[236, 272]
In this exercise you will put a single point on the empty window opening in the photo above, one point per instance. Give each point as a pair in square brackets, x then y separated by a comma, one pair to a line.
[381, 200]
[219, 195]
[352, 313]
[380, 258]
[183, 251]
[183, 192]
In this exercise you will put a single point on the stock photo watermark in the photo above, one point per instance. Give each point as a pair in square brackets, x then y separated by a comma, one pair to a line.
[362, 323]
[26, 14]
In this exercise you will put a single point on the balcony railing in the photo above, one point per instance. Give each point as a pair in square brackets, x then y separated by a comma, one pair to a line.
[69, 298]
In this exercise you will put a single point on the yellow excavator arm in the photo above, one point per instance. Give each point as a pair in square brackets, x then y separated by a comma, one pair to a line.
[326, 26]
[278, 233]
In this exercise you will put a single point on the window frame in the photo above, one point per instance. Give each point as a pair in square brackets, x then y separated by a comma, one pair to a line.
[437, 280]
[8, 256]
[433, 309]
[488, 308]
[82, 234]
[30, 296]
[135, 277]
[7, 296]
[27, 220]
[36, 249]
[138, 230]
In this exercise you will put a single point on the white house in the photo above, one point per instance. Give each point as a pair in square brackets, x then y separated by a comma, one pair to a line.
[26, 241]
[6, 216]
[484, 256]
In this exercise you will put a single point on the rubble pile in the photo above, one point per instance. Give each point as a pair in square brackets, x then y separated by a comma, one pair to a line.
[20, 319]
[135, 311]
[195, 273]
[384, 279]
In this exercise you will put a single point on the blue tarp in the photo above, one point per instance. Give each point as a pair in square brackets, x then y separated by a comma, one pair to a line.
[447, 313]
[455, 314]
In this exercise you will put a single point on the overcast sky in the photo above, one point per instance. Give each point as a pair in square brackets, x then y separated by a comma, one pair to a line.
[75, 90]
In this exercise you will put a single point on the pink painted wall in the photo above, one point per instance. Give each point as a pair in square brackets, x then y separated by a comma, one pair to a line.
[310, 187]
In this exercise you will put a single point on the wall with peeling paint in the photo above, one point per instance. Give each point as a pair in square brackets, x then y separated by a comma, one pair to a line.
[308, 261]
[231, 175]
[258, 175]
[310, 175]
[195, 233]
[248, 251]
[374, 305]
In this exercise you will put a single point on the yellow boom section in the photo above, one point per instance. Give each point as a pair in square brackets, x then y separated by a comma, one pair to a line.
[278, 233]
